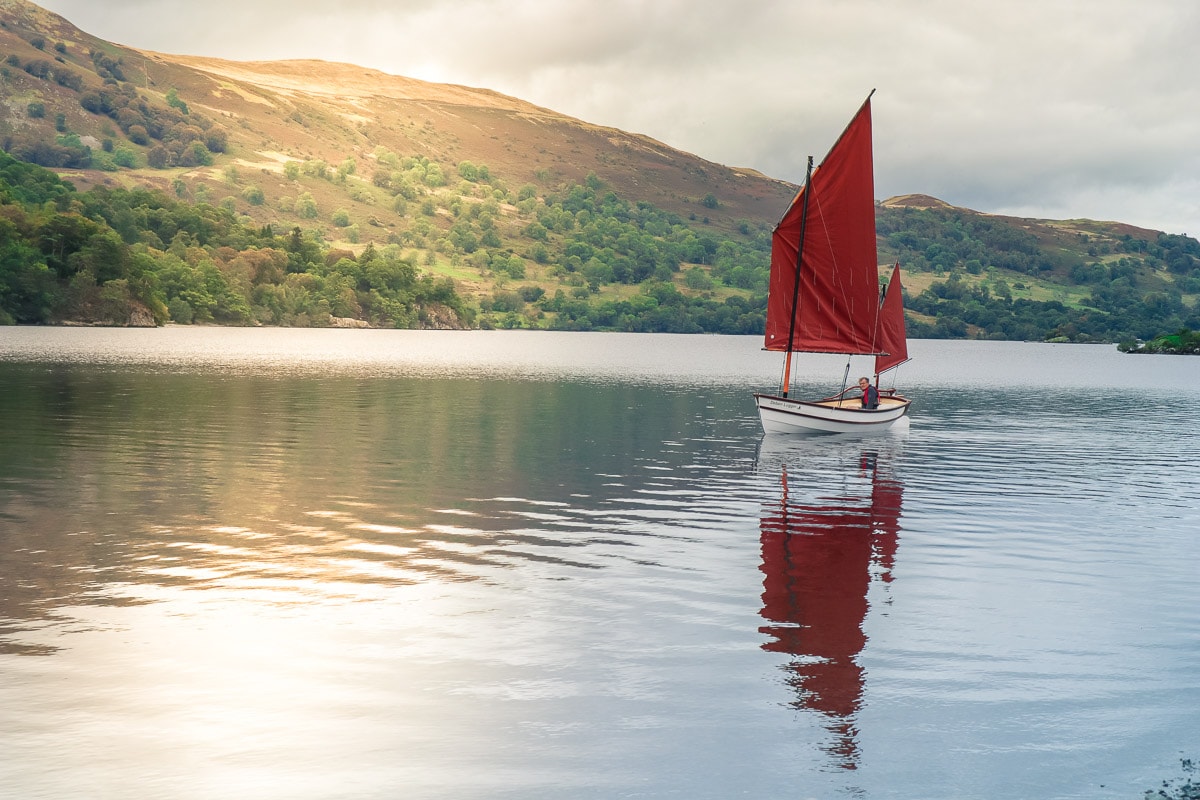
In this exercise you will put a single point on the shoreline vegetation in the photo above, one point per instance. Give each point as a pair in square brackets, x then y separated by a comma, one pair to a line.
[122, 257]
[1185, 342]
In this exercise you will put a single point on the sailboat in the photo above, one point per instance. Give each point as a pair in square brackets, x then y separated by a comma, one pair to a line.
[823, 295]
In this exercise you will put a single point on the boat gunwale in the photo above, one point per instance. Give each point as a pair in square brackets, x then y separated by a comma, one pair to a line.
[894, 402]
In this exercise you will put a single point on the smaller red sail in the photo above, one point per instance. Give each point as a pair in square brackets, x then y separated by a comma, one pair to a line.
[836, 302]
[891, 337]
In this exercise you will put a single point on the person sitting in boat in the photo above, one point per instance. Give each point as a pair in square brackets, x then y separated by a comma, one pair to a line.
[870, 398]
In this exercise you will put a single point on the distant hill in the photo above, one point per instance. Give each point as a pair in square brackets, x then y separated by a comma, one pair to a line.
[539, 219]
[971, 274]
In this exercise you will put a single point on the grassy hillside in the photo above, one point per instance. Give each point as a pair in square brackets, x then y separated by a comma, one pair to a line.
[350, 155]
[540, 220]
[980, 275]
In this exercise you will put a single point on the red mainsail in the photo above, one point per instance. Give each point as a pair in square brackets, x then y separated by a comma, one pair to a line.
[838, 297]
[892, 337]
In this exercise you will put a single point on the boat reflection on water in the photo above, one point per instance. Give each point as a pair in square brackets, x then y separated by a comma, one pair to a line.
[820, 554]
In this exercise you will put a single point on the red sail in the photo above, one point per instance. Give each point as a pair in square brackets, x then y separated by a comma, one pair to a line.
[839, 278]
[892, 338]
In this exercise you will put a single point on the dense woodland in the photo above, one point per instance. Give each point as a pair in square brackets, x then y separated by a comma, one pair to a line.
[177, 228]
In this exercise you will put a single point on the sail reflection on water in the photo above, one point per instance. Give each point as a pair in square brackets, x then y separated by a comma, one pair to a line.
[819, 557]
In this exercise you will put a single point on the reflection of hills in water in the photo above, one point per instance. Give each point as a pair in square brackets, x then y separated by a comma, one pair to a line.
[819, 553]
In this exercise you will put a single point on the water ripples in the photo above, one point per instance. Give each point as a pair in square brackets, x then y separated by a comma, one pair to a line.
[520, 574]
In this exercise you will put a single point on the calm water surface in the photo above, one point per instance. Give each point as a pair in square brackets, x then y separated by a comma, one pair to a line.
[375, 564]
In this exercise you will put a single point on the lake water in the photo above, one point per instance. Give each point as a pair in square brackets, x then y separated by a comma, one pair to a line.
[301, 564]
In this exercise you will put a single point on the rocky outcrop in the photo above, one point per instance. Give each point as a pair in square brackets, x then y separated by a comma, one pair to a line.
[440, 318]
[347, 322]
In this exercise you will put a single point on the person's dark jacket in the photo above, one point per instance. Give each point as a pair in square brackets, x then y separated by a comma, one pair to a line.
[870, 397]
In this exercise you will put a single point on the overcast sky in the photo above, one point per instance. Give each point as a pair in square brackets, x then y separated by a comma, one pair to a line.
[1047, 108]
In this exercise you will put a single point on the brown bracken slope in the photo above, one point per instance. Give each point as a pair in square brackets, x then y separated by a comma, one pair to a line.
[273, 112]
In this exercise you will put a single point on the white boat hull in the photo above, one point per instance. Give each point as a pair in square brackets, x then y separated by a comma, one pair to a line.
[785, 415]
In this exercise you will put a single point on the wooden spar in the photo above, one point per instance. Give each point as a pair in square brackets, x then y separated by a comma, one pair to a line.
[787, 362]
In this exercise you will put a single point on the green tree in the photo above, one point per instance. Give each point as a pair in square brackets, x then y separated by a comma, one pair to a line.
[253, 195]
[174, 102]
[696, 278]
[125, 157]
[315, 168]
[468, 171]
[434, 177]
[306, 206]
[199, 155]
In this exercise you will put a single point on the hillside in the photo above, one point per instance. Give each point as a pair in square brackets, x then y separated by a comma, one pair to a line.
[971, 274]
[538, 219]
[273, 112]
